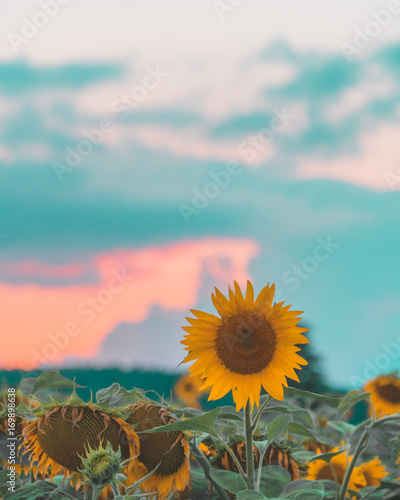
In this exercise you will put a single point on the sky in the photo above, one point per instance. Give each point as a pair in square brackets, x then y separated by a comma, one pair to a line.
[150, 151]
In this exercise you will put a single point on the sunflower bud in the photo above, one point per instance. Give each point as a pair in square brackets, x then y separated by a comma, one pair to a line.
[102, 466]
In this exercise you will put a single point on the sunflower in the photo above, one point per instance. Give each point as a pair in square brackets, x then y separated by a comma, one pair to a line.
[319, 469]
[251, 344]
[58, 439]
[373, 472]
[168, 451]
[385, 394]
[316, 446]
[187, 389]
[208, 450]
[273, 456]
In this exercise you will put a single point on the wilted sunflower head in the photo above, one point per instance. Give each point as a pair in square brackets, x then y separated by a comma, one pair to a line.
[316, 446]
[166, 452]
[62, 434]
[320, 469]
[208, 449]
[273, 456]
[385, 394]
[252, 344]
[187, 389]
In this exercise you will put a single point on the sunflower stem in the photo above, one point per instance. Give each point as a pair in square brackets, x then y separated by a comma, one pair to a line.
[362, 444]
[335, 479]
[233, 456]
[206, 466]
[115, 490]
[88, 493]
[360, 447]
[248, 431]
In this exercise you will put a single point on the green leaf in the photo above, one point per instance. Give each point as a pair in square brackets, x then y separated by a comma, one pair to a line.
[350, 399]
[310, 395]
[307, 431]
[274, 478]
[327, 456]
[47, 380]
[230, 413]
[107, 393]
[342, 427]
[229, 480]
[390, 485]
[302, 455]
[250, 495]
[278, 427]
[202, 423]
[303, 489]
[303, 415]
[372, 493]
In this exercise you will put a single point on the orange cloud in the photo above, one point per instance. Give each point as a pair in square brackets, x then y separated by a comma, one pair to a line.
[46, 324]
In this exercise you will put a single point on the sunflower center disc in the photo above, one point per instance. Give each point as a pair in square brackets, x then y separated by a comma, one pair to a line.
[390, 392]
[63, 441]
[246, 343]
[164, 449]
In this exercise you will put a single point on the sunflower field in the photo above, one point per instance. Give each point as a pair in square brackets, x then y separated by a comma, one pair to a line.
[275, 442]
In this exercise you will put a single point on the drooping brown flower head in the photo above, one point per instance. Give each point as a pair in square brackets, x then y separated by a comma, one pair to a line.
[167, 451]
[58, 439]
[273, 456]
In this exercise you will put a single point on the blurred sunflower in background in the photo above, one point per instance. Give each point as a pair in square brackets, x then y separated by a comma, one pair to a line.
[385, 395]
[167, 452]
[59, 437]
[252, 344]
[373, 471]
[320, 469]
[187, 390]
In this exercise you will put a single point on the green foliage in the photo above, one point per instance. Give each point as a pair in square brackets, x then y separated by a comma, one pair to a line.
[231, 481]
[286, 426]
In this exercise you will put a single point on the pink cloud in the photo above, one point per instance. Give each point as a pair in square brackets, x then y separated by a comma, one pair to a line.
[377, 167]
[31, 269]
[47, 324]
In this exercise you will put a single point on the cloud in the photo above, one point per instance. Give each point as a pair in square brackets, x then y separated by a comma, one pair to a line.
[376, 166]
[58, 322]
[20, 76]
